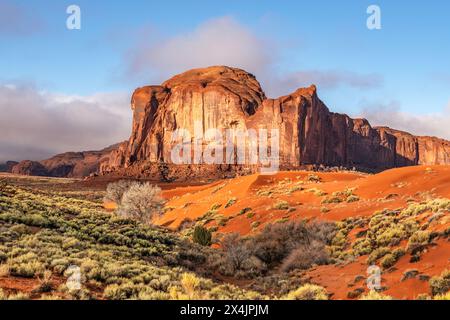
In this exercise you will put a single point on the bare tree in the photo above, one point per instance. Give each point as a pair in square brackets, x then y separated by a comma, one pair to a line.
[141, 202]
[236, 250]
[115, 190]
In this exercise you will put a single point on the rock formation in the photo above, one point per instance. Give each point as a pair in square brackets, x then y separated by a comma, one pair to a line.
[223, 97]
[69, 164]
[7, 166]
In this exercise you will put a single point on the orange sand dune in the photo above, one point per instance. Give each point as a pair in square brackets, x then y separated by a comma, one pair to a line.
[304, 196]
[387, 190]
[340, 279]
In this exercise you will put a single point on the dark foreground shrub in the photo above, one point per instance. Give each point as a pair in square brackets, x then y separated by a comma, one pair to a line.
[305, 256]
[202, 236]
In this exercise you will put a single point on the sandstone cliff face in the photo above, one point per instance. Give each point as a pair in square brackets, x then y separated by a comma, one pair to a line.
[222, 97]
[69, 164]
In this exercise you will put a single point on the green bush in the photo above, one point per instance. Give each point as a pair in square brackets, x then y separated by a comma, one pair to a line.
[202, 236]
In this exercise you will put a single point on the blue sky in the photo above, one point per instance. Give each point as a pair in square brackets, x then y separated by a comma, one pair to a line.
[398, 74]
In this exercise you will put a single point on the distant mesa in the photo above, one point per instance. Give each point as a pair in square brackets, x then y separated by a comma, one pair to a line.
[69, 164]
[224, 97]
[7, 166]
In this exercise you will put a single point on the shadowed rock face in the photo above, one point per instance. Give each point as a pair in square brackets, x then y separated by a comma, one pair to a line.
[222, 97]
[7, 166]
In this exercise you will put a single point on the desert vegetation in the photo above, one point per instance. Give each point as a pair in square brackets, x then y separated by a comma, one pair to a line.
[119, 256]
[299, 239]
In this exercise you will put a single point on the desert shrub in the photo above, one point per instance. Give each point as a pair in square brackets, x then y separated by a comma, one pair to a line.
[418, 239]
[277, 241]
[20, 229]
[445, 296]
[313, 178]
[332, 199]
[27, 266]
[324, 210]
[122, 291]
[317, 192]
[440, 284]
[244, 210]
[352, 198]
[141, 202]
[250, 215]
[19, 296]
[202, 236]
[362, 247]
[305, 256]
[356, 293]
[255, 224]
[3, 255]
[377, 254]
[391, 258]
[398, 253]
[281, 205]
[375, 295]
[230, 202]
[215, 206]
[222, 220]
[294, 189]
[47, 297]
[237, 251]
[423, 296]
[433, 205]
[308, 292]
[115, 190]
[190, 283]
[264, 193]
[388, 261]
[386, 228]
[409, 274]
[45, 284]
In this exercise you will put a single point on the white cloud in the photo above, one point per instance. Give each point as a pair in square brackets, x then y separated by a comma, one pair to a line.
[221, 41]
[224, 41]
[331, 79]
[391, 115]
[35, 124]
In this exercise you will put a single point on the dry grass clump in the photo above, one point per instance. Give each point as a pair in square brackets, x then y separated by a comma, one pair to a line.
[308, 292]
